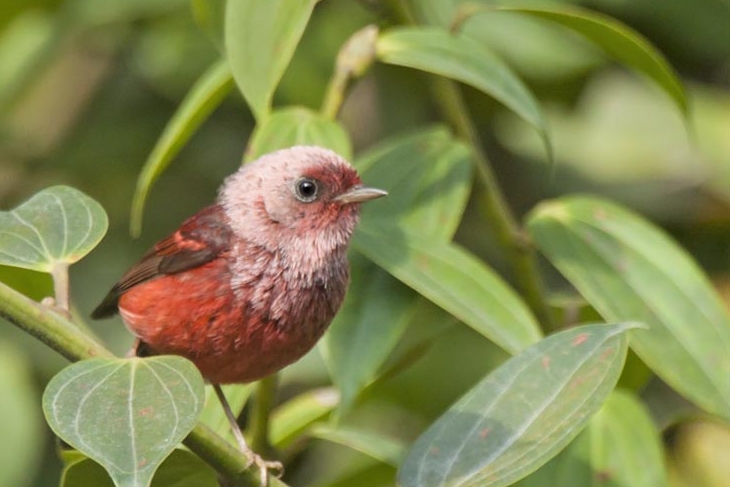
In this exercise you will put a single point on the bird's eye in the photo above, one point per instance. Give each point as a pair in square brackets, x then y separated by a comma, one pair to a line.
[306, 190]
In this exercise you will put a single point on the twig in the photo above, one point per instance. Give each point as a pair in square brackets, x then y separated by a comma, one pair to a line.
[492, 203]
[263, 402]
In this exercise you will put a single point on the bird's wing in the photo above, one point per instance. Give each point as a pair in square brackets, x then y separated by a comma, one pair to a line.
[200, 239]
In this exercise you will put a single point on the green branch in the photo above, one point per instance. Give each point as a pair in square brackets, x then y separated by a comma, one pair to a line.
[66, 338]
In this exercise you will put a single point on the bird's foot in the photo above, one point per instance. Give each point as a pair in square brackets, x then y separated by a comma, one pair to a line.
[264, 466]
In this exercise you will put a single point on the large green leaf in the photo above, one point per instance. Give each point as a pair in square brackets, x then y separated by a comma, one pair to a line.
[298, 126]
[428, 176]
[630, 270]
[260, 39]
[57, 226]
[457, 57]
[126, 414]
[453, 279]
[618, 41]
[367, 328]
[181, 469]
[522, 414]
[204, 97]
[620, 447]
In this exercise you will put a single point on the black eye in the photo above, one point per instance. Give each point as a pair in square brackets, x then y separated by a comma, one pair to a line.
[306, 190]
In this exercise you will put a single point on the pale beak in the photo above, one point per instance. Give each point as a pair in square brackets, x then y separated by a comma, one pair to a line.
[359, 194]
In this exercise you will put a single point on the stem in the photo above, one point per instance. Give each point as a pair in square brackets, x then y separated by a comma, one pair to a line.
[50, 327]
[258, 429]
[335, 94]
[354, 58]
[492, 202]
[64, 337]
[61, 286]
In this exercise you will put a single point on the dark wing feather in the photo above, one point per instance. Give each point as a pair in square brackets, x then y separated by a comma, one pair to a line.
[200, 239]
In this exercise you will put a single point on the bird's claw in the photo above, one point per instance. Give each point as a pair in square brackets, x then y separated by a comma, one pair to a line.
[264, 467]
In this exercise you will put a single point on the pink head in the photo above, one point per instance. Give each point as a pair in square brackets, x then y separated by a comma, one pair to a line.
[303, 195]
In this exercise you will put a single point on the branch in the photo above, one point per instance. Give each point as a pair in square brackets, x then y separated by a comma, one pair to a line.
[64, 337]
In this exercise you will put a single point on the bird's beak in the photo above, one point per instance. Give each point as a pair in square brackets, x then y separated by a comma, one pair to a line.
[359, 194]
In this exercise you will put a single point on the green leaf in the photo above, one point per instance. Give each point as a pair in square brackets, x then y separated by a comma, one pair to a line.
[298, 126]
[453, 279]
[204, 97]
[630, 270]
[366, 329]
[622, 442]
[618, 41]
[126, 414]
[181, 469]
[58, 225]
[521, 414]
[382, 448]
[428, 176]
[260, 39]
[620, 446]
[294, 417]
[457, 57]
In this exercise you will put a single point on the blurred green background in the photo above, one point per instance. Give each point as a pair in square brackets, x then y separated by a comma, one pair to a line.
[86, 87]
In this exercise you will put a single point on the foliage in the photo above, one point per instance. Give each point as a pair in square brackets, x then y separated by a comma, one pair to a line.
[461, 356]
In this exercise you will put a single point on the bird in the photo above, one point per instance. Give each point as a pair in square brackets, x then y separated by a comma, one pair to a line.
[248, 284]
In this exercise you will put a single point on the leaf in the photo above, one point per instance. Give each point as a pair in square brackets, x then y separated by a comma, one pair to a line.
[620, 446]
[367, 328]
[428, 175]
[57, 225]
[630, 270]
[260, 39]
[623, 444]
[293, 418]
[618, 41]
[382, 448]
[460, 58]
[204, 97]
[181, 469]
[521, 414]
[453, 279]
[126, 414]
[298, 126]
